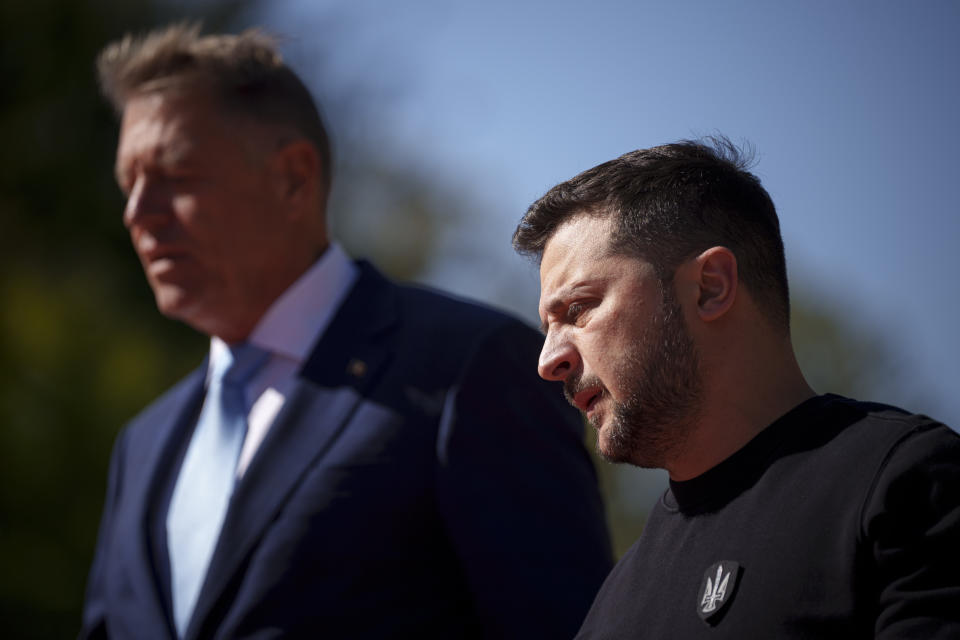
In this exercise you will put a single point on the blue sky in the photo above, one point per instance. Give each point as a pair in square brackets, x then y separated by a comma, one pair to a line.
[853, 108]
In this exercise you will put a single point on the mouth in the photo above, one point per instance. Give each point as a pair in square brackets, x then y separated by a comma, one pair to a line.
[153, 250]
[164, 259]
[588, 399]
[164, 263]
[161, 255]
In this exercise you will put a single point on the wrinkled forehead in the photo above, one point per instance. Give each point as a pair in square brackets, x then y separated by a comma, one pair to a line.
[168, 126]
[576, 245]
[161, 115]
[179, 103]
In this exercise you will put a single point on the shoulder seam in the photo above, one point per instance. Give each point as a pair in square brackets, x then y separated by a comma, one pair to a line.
[926, 425]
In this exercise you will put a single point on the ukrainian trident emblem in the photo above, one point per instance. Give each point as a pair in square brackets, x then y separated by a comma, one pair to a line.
[716, 588]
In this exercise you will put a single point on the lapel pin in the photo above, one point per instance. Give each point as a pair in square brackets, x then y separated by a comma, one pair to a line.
[357, 368]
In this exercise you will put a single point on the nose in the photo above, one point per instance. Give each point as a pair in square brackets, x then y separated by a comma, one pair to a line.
[143, 202]
[558, 358]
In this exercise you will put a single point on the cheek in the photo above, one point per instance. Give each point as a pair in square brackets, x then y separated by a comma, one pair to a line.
[598, 358]
[609, 355]
[599, 342]
[207, 222]
[186, 208]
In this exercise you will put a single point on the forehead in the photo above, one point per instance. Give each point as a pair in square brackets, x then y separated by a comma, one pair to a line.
[577, 246]
[160, 115]
[168, 125]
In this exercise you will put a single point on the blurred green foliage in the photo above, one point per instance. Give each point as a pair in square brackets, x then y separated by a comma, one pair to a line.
[82, 347]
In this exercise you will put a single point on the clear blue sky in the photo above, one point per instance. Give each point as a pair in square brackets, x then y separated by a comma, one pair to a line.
[854, 108]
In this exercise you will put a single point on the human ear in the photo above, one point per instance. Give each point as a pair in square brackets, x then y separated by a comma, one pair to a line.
[297, 171]
[716, 274]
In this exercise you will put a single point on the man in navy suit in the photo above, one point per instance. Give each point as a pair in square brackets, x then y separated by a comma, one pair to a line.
[386, 466]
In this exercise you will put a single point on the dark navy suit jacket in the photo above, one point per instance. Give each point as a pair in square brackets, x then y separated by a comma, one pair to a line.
[421, 482]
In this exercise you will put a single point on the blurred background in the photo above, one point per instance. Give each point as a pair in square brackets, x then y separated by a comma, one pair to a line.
[448, 120]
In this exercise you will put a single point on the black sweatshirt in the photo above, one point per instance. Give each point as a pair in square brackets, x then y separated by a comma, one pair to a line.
[840, 520]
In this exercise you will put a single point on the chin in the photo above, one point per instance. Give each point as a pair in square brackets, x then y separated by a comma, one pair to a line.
[178, 304]
[636, 441]
[610, 450]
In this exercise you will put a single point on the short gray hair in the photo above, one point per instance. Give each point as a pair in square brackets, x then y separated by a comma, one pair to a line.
[244, 73]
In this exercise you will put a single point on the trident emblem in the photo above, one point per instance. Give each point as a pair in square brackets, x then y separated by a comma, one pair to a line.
[715, 591]
[717, 587]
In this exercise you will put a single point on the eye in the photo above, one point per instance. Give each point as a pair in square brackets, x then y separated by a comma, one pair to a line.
[575, 311]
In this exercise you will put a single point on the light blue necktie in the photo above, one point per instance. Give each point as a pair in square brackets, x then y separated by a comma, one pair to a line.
[203, 489]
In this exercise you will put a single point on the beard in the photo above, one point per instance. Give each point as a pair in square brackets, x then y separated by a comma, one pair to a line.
[662, 387]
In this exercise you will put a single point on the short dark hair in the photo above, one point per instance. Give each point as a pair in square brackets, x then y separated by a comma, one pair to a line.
[671, 203]
[242, 72]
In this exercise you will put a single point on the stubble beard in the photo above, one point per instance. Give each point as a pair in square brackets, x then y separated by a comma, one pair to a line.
[650, 427]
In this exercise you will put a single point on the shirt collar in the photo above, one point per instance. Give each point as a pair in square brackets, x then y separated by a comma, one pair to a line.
[297, 319]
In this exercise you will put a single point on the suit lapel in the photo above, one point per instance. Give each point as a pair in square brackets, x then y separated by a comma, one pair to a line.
[148, 464]
[330, 386]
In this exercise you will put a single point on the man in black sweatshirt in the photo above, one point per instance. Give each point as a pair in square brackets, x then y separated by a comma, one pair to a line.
[789, 514]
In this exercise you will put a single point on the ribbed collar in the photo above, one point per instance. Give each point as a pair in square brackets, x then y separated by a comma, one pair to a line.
[720, 484]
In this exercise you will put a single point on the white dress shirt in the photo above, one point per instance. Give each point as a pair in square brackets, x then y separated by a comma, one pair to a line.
[288, 331]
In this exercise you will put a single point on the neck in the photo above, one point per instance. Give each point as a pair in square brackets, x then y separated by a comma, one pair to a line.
[258, 296]
[745, 390]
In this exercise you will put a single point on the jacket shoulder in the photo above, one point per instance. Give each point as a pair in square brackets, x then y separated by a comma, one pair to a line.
[443, 314]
